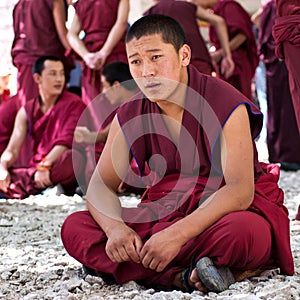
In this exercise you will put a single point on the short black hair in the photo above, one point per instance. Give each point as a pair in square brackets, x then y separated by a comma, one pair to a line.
[119, 71]
[170, 29]
[39, 64]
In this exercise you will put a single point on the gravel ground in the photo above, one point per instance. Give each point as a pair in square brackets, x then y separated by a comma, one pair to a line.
[34, 264]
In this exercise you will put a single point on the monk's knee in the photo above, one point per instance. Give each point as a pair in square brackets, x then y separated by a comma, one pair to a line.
[250, 240]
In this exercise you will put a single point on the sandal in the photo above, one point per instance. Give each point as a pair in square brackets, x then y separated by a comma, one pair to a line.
[216, 280]
[185, 276]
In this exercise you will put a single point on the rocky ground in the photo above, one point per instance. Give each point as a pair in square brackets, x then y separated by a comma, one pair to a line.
[34, 264]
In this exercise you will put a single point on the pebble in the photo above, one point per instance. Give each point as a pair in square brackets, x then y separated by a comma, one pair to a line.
[35, 265]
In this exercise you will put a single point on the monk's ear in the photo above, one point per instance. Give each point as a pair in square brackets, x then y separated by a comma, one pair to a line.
[185, 55]
[116, 83]
[36, 78]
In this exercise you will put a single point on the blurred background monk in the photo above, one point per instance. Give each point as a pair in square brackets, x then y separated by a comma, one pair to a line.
[241, 40]
[187, 15]
[287, 37]
[103, 24]
[118, 86]
[50, 120]
[39, 29]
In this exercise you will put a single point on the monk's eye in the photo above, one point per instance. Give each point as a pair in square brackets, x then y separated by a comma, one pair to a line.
[156, 57]
[135, 62]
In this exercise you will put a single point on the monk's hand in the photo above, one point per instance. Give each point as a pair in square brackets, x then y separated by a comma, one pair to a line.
[227, 67]
[83, 135]
[42, 179]
[4, 179]
[160, 250]
[123, 244]
[91, 60]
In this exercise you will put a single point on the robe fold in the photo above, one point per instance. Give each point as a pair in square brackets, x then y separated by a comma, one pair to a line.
[282, 139]
[97, 17]
[185, 14]
[286, 32]
[182, 177]
[245, 56]
[55, 127]
[35, 39]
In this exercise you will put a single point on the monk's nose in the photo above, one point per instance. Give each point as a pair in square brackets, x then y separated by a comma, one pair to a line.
[148, 69]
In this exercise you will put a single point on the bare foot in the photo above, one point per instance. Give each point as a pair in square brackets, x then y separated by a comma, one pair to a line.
[194, 281]
[197, 283]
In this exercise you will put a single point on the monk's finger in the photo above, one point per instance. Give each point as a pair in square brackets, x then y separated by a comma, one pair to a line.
[132, 253]
[123, 256]
[154, 264]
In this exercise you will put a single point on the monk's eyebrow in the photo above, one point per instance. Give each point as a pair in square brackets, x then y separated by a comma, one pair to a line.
[148, 51]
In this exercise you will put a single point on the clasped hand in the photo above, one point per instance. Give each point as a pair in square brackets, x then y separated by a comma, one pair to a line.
[124, 244]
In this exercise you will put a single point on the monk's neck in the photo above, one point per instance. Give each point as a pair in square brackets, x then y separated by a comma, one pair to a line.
[47, 103]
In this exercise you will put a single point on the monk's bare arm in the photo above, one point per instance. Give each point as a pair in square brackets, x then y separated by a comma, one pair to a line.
[73, 37]
[237, 163]
[54, 154]
[220, 26]
[60, 22]
[102, 202]
[237, 41]
[116, 31]
[236, 195]
[13, 148]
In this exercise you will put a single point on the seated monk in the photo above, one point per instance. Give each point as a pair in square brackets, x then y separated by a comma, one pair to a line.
[50, 120]
[117, 87]
[212, 214]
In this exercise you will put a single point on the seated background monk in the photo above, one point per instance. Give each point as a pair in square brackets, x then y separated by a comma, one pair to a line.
[117, 86]
[210, 202]
[50, 120]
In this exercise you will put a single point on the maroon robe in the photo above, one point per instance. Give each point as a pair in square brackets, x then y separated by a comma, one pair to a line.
[245, 57]
[56, 127]
[8, 112]
[32, 40]
[185, 14]
[283, 138]
[97, 17]
[286, 33]
[183, 177]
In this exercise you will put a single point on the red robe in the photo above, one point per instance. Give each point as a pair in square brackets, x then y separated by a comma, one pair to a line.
[8, 112]
[56, 127]
[283, 137]
[183, 177]
[185, 14]
[287, 37]
[32, 40]
[97, 17]
[245, 57]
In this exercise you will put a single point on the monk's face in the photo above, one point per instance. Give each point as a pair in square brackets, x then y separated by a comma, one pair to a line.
[52, 79]
[157, 67]
[110, 91]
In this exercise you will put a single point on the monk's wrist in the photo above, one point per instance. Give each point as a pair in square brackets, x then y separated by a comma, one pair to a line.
[44, 166]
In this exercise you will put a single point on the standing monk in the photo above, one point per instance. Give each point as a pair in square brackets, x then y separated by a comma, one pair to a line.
[40, 29]
[287, 36]
[212, 210]
[186, 14]
[241, 40]
[104, 24]
[50, 120]
[283, 139]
